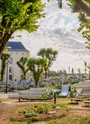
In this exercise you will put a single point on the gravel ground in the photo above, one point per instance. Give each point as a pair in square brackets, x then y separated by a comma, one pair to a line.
[7, 107]
[5, 111]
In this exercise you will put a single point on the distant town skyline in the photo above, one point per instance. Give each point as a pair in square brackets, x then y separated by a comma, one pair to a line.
[59, 31]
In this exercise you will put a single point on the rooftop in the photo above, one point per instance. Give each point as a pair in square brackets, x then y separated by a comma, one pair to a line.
[16, 46]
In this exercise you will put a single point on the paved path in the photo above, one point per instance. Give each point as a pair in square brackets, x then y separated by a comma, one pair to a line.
[3, 95]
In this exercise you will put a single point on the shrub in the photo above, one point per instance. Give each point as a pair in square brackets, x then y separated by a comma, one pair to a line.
[34, 119]
[30, 114]
[29, 122]
[16, 120]
[74, 81]
[58, 86]
[46, 109]
[60, 105]
[89, 122]
[40, 109]
[26, 111]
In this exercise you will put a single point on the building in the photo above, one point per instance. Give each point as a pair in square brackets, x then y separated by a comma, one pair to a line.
[16, 51]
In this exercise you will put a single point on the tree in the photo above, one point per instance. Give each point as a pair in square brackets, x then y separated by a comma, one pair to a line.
[18, 15]
[82, 7]
[36, 66]
[4, 58]
[50, 55]
[88, 66]
[22, 63]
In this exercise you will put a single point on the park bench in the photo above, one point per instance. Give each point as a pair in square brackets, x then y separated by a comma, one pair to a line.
[87, 103]
[35, 94]
[75, 100]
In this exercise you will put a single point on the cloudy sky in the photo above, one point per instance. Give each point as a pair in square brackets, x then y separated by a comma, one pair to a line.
[59, 31]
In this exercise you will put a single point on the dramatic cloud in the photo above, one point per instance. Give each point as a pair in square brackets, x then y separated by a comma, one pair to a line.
[59, 31]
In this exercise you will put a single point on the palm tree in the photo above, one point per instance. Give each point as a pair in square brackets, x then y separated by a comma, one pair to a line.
[37, 66]
[22, 63]
[50, 55]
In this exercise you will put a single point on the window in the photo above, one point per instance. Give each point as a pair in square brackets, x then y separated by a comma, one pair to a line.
[11, 60]
[10, 69]
[10, 77]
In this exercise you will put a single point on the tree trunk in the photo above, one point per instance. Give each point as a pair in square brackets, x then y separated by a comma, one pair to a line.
[24, 76]
[3, 42]
[35, 84]
[45, 73]
[3, 66]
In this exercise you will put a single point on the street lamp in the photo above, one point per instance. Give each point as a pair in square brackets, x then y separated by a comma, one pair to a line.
[7, 76]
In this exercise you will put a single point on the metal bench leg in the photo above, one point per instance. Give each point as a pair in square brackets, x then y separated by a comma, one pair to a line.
[19, 99]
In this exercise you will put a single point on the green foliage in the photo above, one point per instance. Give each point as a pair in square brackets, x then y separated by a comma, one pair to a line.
[60, 105]
[30, 114]
[50, 55]
[33, 119]
[16, 120]
[74, 81]
[46, 109]
[82, 7]
[4, 58]
[29, 122]
[88, 66]
[88, 121]
[36, 66]
[22, 63]
[73, 92]
[40, 109]
[58, 86]
[18, 15]
[74, 120]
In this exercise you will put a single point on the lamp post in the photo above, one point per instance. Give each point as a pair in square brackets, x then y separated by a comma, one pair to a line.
[7, 77]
